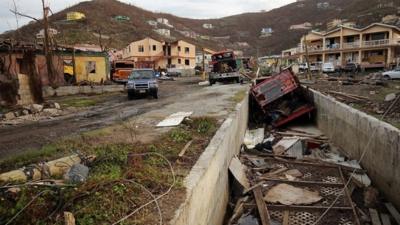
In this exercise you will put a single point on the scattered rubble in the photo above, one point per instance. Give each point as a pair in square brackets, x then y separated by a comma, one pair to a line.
[31, 112]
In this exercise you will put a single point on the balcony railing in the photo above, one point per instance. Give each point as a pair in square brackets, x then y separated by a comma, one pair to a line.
[347, 45]
[333, 46]
[374, 43]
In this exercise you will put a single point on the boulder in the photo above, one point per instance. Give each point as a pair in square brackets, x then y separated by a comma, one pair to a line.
[9, 116]
[35, 108]
[56, 105]
[51, 112]
[390, 97]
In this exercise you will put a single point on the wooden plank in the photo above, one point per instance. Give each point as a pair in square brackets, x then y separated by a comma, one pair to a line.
[69, 218]
[374, 217]
[393, 212]
[299, 207]
[285, 217]
[185, 148]
[385, 219]
[261, 206]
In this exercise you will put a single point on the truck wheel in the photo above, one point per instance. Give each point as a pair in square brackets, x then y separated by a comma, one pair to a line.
[155, 94]
[212, 82]
[131, 95]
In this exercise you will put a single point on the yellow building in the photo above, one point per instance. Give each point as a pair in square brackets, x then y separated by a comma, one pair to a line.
[178, 54]
[374, 46]
[73, 16]
[93, 67]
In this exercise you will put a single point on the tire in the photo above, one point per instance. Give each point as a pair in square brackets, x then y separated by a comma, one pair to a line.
[387, 77]
[155, 94]
[212, 82]
[131, 96]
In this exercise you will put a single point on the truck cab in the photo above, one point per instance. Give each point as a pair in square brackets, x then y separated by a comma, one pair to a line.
[142, 82]
[121, 69]
[225, 67]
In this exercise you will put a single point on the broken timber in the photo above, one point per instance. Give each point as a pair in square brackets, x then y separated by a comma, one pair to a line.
[261, 206]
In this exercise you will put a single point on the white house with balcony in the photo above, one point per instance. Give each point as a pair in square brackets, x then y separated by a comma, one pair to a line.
[374, 46]
[163, 32]
[165, 22]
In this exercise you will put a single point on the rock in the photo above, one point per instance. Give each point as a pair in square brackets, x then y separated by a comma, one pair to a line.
[77, 173]
[51, 112]
[56, 105]
[18, 113]
[9, 116]
[25, 112]
[390, 97]
[397, 87]
[372, 92]
[35, 108]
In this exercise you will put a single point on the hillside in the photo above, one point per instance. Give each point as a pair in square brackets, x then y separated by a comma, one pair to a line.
[229, 32]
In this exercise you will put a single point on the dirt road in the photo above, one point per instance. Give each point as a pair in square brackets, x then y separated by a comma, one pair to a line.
[183, 94]
[20, 138]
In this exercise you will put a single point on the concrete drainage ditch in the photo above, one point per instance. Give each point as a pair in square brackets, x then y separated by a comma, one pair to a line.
[211, 187]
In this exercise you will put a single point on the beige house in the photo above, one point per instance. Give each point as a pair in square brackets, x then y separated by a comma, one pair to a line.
[374, 46]
[178, 54]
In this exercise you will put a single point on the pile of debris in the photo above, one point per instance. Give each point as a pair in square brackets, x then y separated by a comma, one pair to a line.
[31, 112]
[295, 176]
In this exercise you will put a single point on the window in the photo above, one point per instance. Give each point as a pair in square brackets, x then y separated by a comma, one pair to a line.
[154, 47]
[179, 61]
[91, 67]
[187, 62]
[187, 50]
[141, 48]
[179, 48]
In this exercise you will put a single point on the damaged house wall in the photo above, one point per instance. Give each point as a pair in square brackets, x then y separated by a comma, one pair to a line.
[355, 131]
[22, 75]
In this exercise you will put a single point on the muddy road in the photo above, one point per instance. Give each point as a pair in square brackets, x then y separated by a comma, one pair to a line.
[114, 109]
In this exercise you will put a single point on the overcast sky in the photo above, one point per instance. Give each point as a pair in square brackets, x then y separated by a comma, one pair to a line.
[184, 8]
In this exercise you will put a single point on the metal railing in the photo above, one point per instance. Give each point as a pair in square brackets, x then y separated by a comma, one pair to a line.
[374, 43]
[355, 44]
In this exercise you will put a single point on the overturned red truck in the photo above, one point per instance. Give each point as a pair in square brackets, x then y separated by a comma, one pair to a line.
[281, 98]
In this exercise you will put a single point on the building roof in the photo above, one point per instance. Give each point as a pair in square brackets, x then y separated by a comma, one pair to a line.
[356, 29]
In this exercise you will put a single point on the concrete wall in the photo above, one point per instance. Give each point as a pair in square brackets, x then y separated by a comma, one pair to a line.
[24, 90]
[73, 90]
[207, 184]
[354, 131]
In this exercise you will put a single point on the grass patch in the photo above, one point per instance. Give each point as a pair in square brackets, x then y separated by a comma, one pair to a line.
[109, 194]
[239, 96]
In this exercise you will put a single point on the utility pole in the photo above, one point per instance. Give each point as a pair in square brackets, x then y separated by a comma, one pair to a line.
[204, 64]
[47, 46]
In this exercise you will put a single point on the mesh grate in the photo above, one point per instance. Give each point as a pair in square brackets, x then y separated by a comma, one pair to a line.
[331, 191]
[345, 221]
[330, 179]
[276, 215]
[302, 218]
